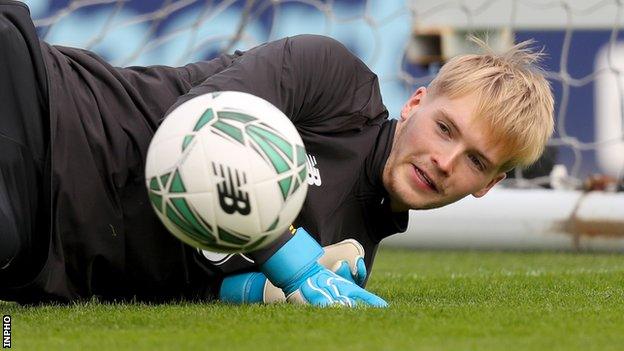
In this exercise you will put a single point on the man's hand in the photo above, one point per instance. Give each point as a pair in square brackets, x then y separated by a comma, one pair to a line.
[344, 258]
[294, 269]
[321, 287]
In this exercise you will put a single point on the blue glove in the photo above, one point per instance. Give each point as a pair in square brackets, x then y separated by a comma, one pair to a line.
[249, 288]
[294, 269]
[345, 258]
[358, 276]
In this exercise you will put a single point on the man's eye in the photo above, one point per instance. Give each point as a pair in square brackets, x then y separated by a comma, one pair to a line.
[475, 160]
[443, 128]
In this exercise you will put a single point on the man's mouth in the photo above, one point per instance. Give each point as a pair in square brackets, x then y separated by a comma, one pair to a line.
[424, 178]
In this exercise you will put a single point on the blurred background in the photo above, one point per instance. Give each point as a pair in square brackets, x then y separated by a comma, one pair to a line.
[570, 200]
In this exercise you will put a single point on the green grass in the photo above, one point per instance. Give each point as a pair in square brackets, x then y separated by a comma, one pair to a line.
[439, 301]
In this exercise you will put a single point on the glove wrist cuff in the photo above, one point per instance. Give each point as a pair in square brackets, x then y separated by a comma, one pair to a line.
[293, 259]
[243, 288]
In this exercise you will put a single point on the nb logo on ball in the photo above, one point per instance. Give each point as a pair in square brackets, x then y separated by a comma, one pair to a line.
[231, 197]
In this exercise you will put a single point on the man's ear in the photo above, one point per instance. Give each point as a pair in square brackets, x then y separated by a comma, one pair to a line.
[489, 186]
[412, 102]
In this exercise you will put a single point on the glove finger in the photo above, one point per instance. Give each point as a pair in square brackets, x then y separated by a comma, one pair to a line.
[360, 268]
[334, 285]
[316, 295]
[343, 270]
[368, 299]
[351, 295]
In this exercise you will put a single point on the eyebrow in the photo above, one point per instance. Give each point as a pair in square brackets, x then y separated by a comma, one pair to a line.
[450, 120]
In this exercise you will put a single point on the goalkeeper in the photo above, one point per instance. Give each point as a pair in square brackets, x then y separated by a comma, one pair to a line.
[75, 220]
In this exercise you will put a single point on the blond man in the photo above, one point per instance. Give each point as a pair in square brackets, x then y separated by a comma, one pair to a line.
[480, 117]
[76, 221]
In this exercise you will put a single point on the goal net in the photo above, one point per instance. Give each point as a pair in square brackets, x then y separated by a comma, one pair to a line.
[404, 42]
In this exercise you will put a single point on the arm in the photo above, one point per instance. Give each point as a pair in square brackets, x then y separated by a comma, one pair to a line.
[323, 88]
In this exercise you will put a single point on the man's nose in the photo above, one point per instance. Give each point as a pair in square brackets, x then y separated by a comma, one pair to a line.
[446, 159]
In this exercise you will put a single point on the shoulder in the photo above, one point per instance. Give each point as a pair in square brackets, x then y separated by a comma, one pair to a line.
[319, 45]
[14, 18]
[324, 54]
[12, 5]
[315, 41]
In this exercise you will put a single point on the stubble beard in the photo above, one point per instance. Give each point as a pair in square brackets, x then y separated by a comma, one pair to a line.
[398, 188]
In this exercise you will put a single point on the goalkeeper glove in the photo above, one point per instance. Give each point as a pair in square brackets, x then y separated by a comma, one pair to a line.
[304, 280]
[345, 258]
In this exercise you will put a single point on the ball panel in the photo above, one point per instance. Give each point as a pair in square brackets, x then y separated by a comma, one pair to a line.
[194, 169]
[270, 197]
[292, 206]
[202, 205]
[266, 112]
[181, 213]
[169, 220]
[275, 207]
[163, 156]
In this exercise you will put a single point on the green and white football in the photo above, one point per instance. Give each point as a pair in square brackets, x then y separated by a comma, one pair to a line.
[226, 172]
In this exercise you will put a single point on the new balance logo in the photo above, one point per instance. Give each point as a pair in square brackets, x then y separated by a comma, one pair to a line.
[314, 175]
[231, 198]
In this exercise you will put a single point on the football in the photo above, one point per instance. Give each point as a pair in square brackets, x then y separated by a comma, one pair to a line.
[226, 172]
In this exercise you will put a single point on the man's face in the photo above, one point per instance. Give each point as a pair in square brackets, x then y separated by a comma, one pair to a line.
[440, 154]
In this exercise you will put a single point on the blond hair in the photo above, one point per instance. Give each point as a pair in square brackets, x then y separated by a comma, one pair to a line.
[514, 98]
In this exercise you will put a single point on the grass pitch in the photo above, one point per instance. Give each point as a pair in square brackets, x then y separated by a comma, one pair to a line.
[439, 301]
